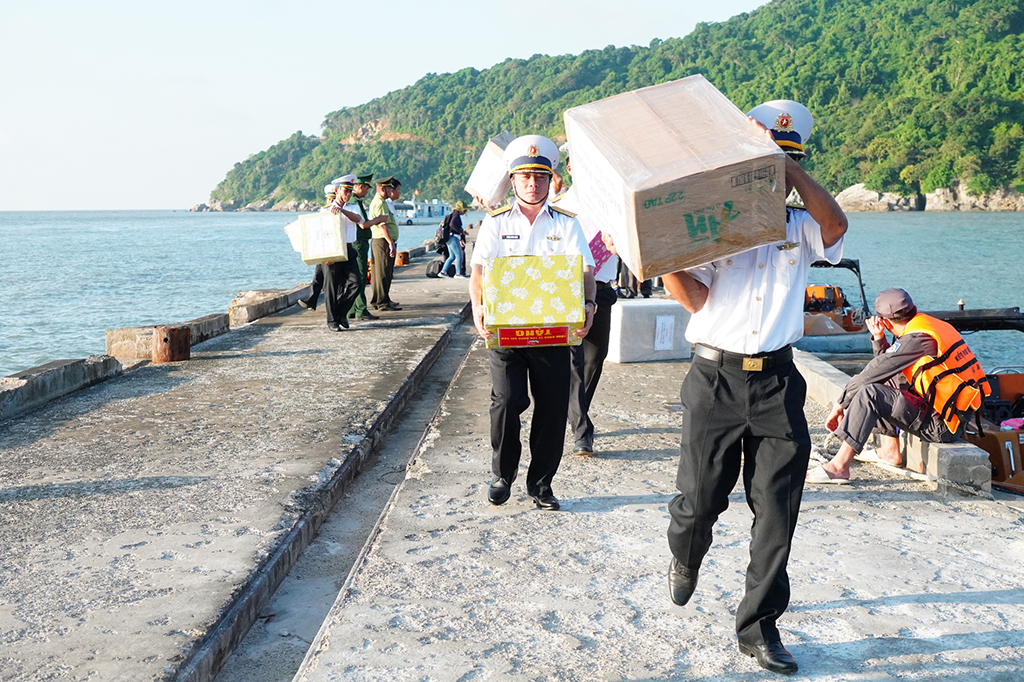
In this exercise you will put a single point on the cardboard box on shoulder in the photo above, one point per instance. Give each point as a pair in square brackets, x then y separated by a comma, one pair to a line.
[322, 238]
[533, 300]
[677, 175]
[489, 180]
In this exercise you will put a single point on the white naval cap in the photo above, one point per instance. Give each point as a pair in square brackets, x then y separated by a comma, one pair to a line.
[345, 181]
[789, 122]
[531, 153]
[331, 189]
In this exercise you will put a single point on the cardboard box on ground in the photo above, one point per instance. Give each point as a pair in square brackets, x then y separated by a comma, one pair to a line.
[489, 180]
[533, 300]
[677, 175]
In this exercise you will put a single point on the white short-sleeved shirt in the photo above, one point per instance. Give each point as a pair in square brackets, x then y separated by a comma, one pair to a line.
[755, 299]
[350, 227]
[567, 200]
[509, 233]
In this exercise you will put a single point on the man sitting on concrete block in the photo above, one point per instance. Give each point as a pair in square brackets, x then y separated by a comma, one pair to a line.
[927, 382]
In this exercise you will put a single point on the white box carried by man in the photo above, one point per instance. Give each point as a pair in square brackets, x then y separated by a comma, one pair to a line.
[489, 180]
[318, 237]
[677, 175]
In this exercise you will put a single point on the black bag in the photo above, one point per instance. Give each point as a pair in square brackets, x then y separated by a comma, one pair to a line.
[441, 236]
[434, 268]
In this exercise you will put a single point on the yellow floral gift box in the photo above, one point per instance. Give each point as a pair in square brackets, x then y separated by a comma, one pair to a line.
[533, 300]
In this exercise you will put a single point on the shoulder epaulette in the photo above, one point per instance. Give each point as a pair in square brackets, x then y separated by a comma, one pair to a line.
[499, 211]
[559, 209]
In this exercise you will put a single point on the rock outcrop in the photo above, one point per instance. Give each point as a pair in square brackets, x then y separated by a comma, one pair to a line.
[858, 198]
[957, 199]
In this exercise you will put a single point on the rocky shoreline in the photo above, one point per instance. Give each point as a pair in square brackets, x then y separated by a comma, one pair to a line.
[854, 199]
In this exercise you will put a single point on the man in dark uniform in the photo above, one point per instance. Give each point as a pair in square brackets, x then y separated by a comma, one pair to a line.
[529, 227]
[743, 397]
[588, 357]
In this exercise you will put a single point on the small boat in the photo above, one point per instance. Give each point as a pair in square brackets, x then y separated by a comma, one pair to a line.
[831, 323]
[413, 212]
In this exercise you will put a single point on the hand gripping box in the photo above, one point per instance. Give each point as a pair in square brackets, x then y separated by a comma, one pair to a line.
[533, 300]
[677, 175]
[321, 238]
[489, 180]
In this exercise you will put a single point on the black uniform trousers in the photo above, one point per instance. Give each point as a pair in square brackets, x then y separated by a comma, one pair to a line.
[546, 371]
[362, 249]
[341, 286]
[729, 412]
[381, 273]
[588, 363]
[885, 409]
[316, 285]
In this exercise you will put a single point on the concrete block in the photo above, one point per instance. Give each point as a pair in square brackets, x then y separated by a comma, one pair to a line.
[825, 383]
[131, 344]
[248, 306]
[417, 251]
[38, 385]
[648, 329]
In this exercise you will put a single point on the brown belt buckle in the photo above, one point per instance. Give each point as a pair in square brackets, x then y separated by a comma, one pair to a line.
[753, 364]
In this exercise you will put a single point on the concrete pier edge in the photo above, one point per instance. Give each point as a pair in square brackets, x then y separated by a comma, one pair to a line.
[209, 656]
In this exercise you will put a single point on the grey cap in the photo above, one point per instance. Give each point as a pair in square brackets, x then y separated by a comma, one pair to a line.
[891, 302]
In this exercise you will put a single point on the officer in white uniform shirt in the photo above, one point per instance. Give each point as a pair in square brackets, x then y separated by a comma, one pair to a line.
[588, 357]
[743, 398]
[341, 279]
[530, 226]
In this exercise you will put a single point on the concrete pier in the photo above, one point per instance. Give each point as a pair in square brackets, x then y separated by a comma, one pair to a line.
[145, 523]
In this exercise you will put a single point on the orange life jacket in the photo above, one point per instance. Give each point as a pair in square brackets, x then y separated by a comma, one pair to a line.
[952, 381]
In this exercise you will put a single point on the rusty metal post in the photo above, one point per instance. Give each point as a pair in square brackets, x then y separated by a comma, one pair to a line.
[402, 258]
[171, 344]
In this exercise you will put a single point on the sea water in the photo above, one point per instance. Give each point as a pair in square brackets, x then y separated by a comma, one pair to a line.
[67, 276]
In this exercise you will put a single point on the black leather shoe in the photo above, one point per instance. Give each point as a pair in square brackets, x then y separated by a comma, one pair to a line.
[584, 447]
[682, 581]
[499, 492]
[771, 656]
[309, 304]
[343, 322]
[368, 316]
[333, 326]
[391, 306]
[546, 501]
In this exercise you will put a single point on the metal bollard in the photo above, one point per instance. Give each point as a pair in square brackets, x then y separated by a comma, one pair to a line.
[171, 344]
[402, 258]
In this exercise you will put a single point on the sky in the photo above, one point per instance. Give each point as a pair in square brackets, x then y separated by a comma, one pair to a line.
[142, 105]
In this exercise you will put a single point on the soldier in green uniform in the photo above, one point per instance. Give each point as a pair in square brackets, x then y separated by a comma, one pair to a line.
[384, 246]
[362, 247]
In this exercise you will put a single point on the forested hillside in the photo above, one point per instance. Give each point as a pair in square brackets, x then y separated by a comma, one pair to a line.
[908, 96]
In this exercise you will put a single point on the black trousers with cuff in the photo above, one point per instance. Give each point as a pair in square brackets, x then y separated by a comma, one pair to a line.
[752, 422]
[588, 364]
[341, 286]
[516, 373]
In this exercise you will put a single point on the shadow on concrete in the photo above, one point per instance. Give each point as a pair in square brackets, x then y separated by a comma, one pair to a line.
[91, 488]
[607, 503]
[990, 597]
[241, 338]
[44, 420]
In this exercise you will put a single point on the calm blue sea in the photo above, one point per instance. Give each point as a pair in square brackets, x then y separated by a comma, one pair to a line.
[67, 276]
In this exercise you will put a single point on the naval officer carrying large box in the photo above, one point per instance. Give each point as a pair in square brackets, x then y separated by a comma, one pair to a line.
[677, 175]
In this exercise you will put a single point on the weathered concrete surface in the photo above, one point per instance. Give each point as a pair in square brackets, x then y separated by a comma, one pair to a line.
[36, 386]
[890, 581]
[131, 344]
[140, 515]
[960, 468]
